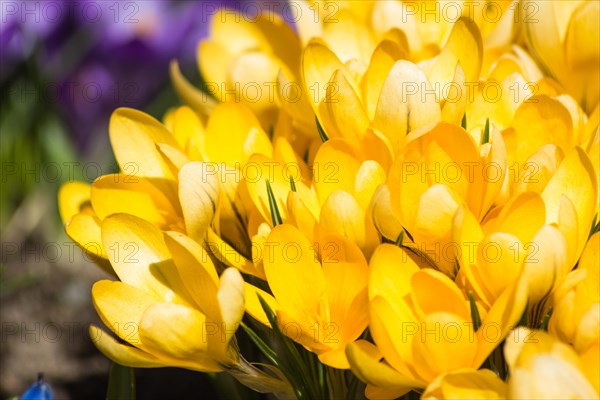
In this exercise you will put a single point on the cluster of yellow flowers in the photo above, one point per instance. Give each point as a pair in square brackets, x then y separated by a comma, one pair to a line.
[406, 189]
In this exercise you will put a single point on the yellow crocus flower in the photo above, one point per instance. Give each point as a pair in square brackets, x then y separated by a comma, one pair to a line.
[319, 295]
[467, 384]
[160, 184]
[541, 367]
[420, 336]
[170, 307]
[492, 261]
[377, 105]
[540, 233]
[564, 37]
[147, 186]
[576, 314]
[440, 169]
[240, 62]
[568, 186]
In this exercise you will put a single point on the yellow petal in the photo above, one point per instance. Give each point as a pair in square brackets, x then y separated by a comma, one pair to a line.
[463, 47]
[188, 93]
[121, 193]
[365, 362]
[394, 328]
[347, 274]
[587, 262]
[391, 273]
[542, 367]
[253, 306]
[382, 61]
[244, 137]
[139, 256]
[502, 317]
[576, 179]
[121, 306]
[368, 178]
[121, 353]
[199, 195]
[252, 71]
[377, 147]
[445, 343]
[318, 65]
[499, 262]
[231, 301]
[591, 361]
[467, 233]
[542, 35]
[488, 181]
[335, 358]
[581, 51]
[427, 281]
[345, 111]
[342, 214]
[554, 126]
[228, 255]
[433, 227]
[289, 257]
[404, 104]
[522, 216]
[546, 262]
[349, 38]
[335, 168]
[384, 219]
[308, 332]
[448, 155]
[187, 125]
[213, 59]
[302, 217]
[466, 384]
[72, 196]
[174, 157]
[84, 229]
[178, 333]
[133, 135]
[196, 270]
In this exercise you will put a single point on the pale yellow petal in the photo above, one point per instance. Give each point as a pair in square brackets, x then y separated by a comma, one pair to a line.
[133, 135]
[466, 384]
[139, 256]
[199, 195]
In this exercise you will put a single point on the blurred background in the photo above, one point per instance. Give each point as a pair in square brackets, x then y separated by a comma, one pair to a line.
[65, 66]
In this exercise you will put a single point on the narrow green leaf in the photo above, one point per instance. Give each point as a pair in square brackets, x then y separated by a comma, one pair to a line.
[275, 216]
[352, 388]
[544, 323]
[524, 320]
[300, 376]
[474, 312]
[322, 133]
[292, 184]
[486, 132]
[121, 383]
[262, 346]
[400, 239]
[595, 225]
[463, 123]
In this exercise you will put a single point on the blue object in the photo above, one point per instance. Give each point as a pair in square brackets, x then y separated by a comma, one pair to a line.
[38, 391]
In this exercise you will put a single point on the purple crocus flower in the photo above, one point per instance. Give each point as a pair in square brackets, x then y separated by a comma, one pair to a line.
[95, 56]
